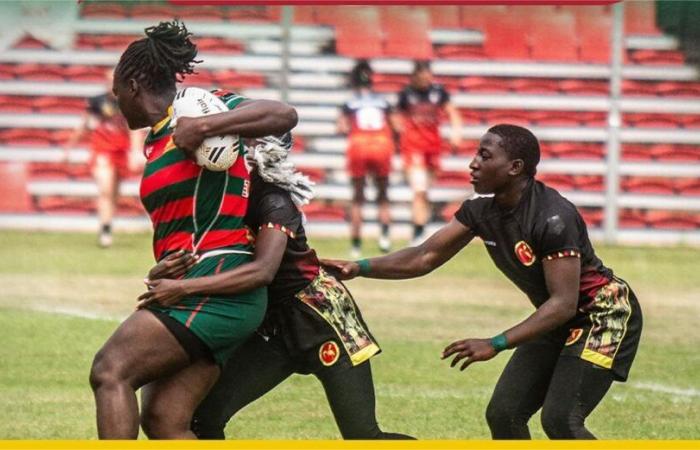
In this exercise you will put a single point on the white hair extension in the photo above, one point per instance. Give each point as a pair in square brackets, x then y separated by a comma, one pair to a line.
[270, 157]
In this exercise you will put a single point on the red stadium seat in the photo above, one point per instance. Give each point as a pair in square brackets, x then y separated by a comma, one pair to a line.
[592, 216]
[475, 17]
[650, 120]
[648, 185]
[16, 104]
[576, 150]
[460, 51]
[320, 211]
[386, 82]
[209, 12]
[516, 117]
[640, 18]
[152, 11]
[636, 152]
[676, 152]
[448, 211]
[39, 72]
[553, 38]
[358, 32]
[557, 118]
[219, 45]
[231, 79]
[534, 85]
[114, 10]
[26, 136]
[560, 182]
[31, 42]
[444, 16]
[472, 116]
[406, 32]
[60, 105]
[130, 206]
[584, 87]
[14, 195]
[459, 179]
[658, 57]
[688, 186]
[483, 84]
[593, 31]
[632, 218]
[86, 73]
[678, 89]
[65, 205]
[307, 15]
[316, 174]
[594, 183]
[672, 220]
[105, 41]
[506, 38]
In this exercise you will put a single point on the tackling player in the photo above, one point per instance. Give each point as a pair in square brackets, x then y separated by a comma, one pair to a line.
[312, 325]
[586, 327]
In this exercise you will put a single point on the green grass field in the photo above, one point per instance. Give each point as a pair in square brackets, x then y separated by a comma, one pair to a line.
[61, 297]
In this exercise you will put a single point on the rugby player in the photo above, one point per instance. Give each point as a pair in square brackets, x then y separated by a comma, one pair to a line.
[312, 325]
[421, 104]
[370, 123]
[175, 352]
[586, 327]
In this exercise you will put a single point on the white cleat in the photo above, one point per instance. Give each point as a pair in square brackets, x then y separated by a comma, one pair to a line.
[384, 244]
[355, 253]
[105, 240]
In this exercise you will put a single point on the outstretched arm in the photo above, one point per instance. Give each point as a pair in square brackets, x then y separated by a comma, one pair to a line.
[250, 119]
[562, 277]
[269, 249]
[409, 262]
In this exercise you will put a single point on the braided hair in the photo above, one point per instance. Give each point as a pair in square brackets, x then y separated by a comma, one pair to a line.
[160, 59]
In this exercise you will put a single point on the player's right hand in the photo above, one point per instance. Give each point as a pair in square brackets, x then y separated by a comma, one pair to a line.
[341, 269]
[173, 266]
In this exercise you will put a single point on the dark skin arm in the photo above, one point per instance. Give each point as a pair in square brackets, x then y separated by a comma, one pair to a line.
[410, 262]
[562, 277]
[250, 119]
[269, 250]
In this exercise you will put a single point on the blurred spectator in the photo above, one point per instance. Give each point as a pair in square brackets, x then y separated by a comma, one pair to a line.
[111, 157]
[421, 104]
[369, 122]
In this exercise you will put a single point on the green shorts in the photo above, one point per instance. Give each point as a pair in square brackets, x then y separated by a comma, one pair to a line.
[221, 322]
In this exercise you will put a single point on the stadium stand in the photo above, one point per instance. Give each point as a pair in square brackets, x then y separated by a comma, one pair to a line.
[497, 68]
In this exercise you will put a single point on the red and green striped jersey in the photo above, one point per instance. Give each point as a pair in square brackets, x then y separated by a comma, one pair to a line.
[192, 208]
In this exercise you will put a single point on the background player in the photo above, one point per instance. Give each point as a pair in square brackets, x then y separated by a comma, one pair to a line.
[174, 352]
[370, 124]
[312, 324]
[112, 153]
[421, 105]
[585, 330]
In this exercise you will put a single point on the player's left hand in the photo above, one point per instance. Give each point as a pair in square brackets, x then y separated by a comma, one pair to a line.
[470, 349]
[164, 292]
[188, 134]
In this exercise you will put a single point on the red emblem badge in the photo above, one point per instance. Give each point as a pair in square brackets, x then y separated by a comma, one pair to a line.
[574, 335]
[524, 253]
[329, 353]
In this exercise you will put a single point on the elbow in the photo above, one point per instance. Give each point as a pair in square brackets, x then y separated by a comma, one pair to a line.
[288, 118]
[567, 310]
[266, 277]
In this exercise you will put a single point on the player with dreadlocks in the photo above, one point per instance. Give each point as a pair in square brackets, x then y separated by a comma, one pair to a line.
[312, 325]
[174, 352]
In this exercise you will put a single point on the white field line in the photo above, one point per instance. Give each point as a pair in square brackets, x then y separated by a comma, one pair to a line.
[665, 389]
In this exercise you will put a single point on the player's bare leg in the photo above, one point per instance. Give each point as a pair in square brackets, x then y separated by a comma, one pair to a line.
[107, 190]
[358, 199]
[382, 184]
[168, 404]
[140, 351]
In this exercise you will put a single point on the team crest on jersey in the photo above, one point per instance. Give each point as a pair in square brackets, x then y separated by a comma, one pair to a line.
[574, 335]
[329, 353]
[147, 151]
[524, 253]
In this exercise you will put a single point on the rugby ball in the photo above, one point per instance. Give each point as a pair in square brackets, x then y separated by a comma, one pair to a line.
[217, 153]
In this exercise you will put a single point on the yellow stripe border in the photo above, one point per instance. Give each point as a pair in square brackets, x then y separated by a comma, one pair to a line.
[348, 445]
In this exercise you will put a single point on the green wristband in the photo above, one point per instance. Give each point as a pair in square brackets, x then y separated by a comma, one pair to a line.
[499, 342]
[364, 266]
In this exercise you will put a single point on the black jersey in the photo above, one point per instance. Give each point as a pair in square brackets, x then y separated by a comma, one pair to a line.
[272, 207]
[544, 225]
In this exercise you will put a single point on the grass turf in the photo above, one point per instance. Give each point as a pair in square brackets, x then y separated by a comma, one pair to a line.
[62, 297]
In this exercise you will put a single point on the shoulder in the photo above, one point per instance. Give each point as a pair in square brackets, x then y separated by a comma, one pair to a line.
[555, 212]
[474, 211]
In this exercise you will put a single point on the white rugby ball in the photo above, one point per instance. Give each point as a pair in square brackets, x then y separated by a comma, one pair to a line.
[217, 153]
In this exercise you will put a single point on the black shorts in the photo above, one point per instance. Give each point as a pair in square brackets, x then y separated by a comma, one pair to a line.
[189, 341]
[607, 333]
[320, 327]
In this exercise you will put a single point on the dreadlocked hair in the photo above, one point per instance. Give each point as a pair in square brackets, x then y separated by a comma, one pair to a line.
[269, 154]
[160, 59]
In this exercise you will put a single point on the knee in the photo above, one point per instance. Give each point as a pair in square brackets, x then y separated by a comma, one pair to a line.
[558, 424]
[163, 423]
[505, 420]
[497, 414]
[104, 371]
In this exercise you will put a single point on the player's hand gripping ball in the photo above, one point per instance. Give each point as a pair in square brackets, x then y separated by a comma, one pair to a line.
[216, 153]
